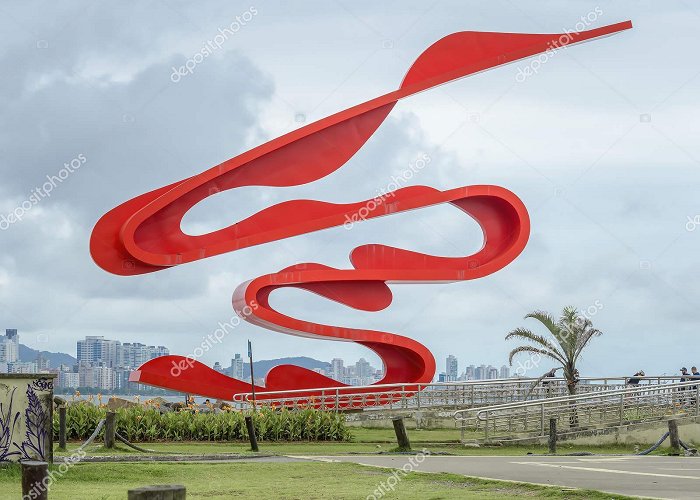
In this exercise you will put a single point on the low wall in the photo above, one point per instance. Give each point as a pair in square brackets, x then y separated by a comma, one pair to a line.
[635, 434]
[413, 419]
[645, 434]
[26, 416]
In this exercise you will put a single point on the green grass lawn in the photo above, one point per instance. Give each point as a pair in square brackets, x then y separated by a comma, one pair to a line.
[296, 480]
[289, 480]
[198, 448]
[365, 440]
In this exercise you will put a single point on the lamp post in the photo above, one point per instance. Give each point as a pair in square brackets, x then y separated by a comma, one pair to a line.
[252, 377]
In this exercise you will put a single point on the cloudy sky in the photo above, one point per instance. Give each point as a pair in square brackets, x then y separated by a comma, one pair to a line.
[601, 144]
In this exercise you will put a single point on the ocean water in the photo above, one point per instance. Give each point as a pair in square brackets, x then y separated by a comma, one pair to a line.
[105, 398]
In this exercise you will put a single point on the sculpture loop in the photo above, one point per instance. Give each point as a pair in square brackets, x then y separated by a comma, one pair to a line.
[144, 235]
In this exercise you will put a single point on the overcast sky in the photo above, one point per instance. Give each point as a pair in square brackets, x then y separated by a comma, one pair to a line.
[601, 144]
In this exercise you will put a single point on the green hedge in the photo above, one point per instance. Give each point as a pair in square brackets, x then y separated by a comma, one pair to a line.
[138, 424]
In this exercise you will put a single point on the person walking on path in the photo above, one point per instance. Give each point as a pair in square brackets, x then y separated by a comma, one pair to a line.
[685, 377]
[694, 388]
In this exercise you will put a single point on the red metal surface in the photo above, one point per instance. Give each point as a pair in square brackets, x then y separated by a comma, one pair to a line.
[143, 234]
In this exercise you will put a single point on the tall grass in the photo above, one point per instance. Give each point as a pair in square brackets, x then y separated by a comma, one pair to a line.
[139, 424]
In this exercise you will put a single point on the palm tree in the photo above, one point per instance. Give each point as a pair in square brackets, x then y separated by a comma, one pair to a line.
[569, 336]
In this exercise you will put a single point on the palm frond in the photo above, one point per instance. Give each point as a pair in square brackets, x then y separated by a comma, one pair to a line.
[547, 320]
[583, 340]
[570, 324]
[532, 350]
[544, 343]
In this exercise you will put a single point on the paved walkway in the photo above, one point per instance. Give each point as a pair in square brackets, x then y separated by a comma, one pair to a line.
[656, 477]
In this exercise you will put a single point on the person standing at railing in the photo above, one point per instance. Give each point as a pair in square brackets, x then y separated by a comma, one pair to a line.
[685, 377]
[695, 376]
[546, 383]
[636, 378]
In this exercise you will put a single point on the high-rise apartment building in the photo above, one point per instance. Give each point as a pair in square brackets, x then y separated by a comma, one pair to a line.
[68, 379]
[337, 369]
[363, 369]
[9, 351]
[451, 368]
[22, 367]
[237, 367]
[112, 353]
[105, 364]
[90, 349]
[11, 334]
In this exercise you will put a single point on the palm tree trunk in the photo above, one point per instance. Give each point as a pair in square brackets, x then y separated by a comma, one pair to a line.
[571, 382]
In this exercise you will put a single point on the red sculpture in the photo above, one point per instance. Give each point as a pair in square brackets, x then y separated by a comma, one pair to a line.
[143, 234]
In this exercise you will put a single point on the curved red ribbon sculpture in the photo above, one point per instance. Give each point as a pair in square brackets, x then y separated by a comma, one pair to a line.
[143, 234]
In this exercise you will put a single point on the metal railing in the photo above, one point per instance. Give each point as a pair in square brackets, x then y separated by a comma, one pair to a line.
[582, 412]
[470, 394]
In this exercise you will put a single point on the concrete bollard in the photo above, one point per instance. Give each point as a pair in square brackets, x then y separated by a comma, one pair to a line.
[35, 480]
[401, 435]
[158, 492]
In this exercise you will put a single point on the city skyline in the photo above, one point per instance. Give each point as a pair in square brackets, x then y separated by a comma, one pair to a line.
[106, 364]
[483, 371]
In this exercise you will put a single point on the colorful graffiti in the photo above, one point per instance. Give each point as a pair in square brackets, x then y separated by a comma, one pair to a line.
[25, 418]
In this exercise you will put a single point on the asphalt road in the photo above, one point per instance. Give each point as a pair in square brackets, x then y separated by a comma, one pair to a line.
[655, 477]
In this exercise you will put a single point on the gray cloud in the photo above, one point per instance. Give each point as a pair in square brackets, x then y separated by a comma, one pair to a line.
[608, 191]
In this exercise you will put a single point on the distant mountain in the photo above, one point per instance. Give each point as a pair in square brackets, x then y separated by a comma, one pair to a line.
[263, 366]
[56, 359]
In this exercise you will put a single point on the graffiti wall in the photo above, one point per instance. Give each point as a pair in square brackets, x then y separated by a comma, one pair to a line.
[26, 406]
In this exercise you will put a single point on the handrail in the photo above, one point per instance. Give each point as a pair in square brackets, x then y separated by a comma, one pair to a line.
[578, 397]
[242, 396]
[589, 411]
[464, 393]
[358, 389]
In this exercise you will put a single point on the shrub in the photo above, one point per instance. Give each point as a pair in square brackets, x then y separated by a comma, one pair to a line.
[143, 423]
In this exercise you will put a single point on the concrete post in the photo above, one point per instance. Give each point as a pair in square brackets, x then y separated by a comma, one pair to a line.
[159, 492]
[674, 437]
[61, 427]
[552, 436]
[251, 433]
[401, 435]
[110, 429]
[35, 480]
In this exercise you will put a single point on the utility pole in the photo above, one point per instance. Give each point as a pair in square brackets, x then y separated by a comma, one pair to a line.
[252, 377]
